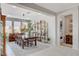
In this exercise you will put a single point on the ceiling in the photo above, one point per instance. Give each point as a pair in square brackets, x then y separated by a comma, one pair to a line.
[36, 8]
[21, 13]
[50, 8]
[19, 9]
[58, 7]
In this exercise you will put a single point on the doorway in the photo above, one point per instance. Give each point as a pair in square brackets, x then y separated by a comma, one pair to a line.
[67, 30]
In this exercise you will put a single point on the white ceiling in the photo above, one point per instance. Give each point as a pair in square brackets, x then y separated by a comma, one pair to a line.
[11, 10]
[57, 7]
[17, 12]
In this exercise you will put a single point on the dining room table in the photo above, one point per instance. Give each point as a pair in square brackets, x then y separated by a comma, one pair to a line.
[29, 40]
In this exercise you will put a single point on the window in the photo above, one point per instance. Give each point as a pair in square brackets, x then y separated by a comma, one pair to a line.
[17, 27]
[8, 27]
[24, 27]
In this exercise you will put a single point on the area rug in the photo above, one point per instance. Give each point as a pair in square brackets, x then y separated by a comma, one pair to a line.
[18, 51]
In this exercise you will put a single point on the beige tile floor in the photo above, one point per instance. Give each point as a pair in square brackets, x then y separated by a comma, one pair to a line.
[43, 50]
[66, 45]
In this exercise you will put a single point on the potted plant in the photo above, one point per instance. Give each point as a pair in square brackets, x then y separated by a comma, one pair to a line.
[48, 39]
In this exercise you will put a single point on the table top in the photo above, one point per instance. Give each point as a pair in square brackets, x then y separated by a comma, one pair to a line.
[31, 38]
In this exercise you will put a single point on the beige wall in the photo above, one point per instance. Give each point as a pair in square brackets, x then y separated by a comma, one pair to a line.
[68, 25]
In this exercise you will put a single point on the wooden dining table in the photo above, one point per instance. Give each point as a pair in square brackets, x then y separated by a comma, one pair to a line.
[30, 39]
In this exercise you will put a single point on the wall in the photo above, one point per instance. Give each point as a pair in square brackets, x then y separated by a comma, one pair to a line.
[52, 30]
[74, 12]
[68, 24]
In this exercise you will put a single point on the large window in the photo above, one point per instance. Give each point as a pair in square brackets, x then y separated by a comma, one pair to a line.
[17, 27]
[8, 27]
[24, 27]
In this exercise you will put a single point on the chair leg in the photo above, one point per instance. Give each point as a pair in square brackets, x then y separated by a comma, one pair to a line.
[23, 45]
[31, 43]
[27, 43]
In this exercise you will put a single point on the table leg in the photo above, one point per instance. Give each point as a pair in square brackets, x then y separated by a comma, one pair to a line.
[23, 45]
[27, 43]
[35, 43]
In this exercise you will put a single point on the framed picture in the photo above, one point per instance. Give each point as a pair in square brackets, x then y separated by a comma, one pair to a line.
[60, 25]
